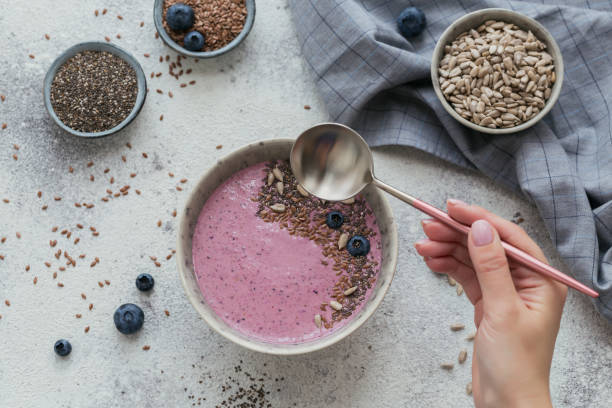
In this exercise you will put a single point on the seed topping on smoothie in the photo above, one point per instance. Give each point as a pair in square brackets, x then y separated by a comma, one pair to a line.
[333, 227]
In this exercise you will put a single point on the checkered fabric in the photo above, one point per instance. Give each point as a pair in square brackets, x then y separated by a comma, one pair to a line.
[379, 83]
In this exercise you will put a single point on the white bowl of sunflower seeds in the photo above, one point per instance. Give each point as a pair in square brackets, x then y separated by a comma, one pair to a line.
[497, 71]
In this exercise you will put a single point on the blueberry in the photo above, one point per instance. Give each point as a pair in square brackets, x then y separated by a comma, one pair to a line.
[194, 41]
[358, 246]
[145, 282]
[411, 22]
[128, 318]
[179, 17]
[62, 347]
[334, 219]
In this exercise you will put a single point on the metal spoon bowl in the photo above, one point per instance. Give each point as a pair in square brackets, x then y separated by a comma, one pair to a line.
[333, 162]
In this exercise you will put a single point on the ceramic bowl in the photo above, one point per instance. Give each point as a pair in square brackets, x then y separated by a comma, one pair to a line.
[158, 18]
[246, 156]
[96, 46]
[473, 20]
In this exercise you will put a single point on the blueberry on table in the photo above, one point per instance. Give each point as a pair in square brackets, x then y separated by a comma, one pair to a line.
[145, 282]
[62, 347]
[334, 219]
[194, 41]
[128, 318]
[411, 22]
[179, 17]
[358, 246]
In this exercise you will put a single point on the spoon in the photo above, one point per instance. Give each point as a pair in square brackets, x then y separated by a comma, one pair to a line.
[333, 162]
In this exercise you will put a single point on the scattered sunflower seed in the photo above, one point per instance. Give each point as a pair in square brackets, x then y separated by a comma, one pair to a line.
[350, 291]
[343, 240]
[335, 305]
[462, 356]
[457, 327]
[317, 320]
[278, 208]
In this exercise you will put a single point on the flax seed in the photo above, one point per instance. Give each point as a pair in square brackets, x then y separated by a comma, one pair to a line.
[86, 329]
[146, 348]
[167, 312]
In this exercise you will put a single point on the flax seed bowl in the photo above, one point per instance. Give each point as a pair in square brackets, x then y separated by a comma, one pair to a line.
[497, 71]
[234, 275]
[66, 90]
[223, 24]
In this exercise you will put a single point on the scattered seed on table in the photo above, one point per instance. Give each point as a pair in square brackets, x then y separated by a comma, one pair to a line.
[156, 35]
[70, 169]
[120, 17]
[118, 36]
[137, 191]
[159, 91]
[146, 55]
[171, 174]
[52, 243]
[7, 302]
[90, 306]
[219, 147]
[174, 213]
[447, 366]
[78, 315]
[307, 107]
[91, 177]
[35, 280]
[86, 329]
[167, 312]
[44, 207]
[159, 223]
[184, 180]
[3, 240]
[183, 85]
[39, 194]
[142, 23]
[146, 348]
[15, 146]
[27, 268]
[107, 39]
[60, 284]
[47, 37]
[83, 296]
[18, 235]
[145, 155]
[4, 126]
[112, 180]
[468, 388]
[192, 82]
[100, 284]
[457, 327]
[107, 282]
[471, 337]
[188, 71]
[6, 200]
[31, 56]
[15, 157]
[57, 198]
[462, 356]
[152, 75]
[157, 264]
[161, 117]
[179, 188]
[2, 97]
[96, 13]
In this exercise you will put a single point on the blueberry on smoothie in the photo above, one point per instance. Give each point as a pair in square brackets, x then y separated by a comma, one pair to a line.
[145, 282]
[179, 17]
[358, 246]
[411, 22]
[194, 41]
[334, 219]
[128, 318]
[62, 347]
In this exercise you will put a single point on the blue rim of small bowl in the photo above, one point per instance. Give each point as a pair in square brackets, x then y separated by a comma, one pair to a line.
[248, 24]
[96, 46]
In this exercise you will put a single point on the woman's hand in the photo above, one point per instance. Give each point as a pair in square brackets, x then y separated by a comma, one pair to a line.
[517, 311]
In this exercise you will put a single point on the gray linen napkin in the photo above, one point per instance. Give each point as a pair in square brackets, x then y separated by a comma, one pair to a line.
[378, 82]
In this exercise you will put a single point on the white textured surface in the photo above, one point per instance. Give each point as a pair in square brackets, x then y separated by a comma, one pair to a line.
[257, 91]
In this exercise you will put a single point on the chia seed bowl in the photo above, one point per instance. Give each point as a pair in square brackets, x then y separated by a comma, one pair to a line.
[104, 47]
[226, 167]
[158, 18]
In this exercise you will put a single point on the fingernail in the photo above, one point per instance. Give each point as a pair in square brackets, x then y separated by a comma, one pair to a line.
[482, 234]
[420, 242]
[454, 201]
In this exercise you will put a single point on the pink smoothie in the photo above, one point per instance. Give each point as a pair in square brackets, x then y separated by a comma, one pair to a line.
[257, 277]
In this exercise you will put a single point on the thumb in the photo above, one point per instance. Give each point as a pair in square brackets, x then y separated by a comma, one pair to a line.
[491, 265]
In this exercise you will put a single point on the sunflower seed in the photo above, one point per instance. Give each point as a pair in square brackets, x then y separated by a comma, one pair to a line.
[335, 305]
[270, 178]
[350, 291]
[450, 280]
[279, 208]
[348, 201]
[459, 290]
[280, 187]
[447, 366]
[277, 173]
[317, 320]
[471, 337]
[457, 327]
[342, 241]
[462, 356]
[468, 388]
[301, 190]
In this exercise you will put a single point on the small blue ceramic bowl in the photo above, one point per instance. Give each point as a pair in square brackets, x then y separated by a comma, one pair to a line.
[158, 17]
[96, 46]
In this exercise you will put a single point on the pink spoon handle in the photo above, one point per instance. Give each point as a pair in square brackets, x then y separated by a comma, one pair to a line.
[512, 252]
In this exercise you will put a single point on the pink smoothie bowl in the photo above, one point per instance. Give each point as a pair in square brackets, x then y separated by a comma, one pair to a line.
[257, 152]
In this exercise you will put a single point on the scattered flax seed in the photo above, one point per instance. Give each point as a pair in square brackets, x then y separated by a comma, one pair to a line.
[96, 13]
[119, 17]
[112, 180]
[16, 147]
[35, 280]
[147, 55]
[159, 91]
[70, 169]
[174, 213]
[90, 164]
[2, 97]
[107, 38]
[95, 233]
[2, 257]
[168, 257]
[31, 56]
[161, 117]
[167, 312]
[47, 37]
[7, 302]
[83, 296]
[82, 256]
[77, 205]
[170, 94]
[156, 35]
[468, 388]
[462, 356]
[157, 264]
[39, 194]
[192, 82]
[91, 177]
[142, 23]
[137, 191]
[52, 243]
[44, 207]
[18, 235]
[3, 240]
[159, 223]
[132, 175]
[78, 315]
[4, 126]
[107, 282]
[129, 145]
[60, 284]
[57, 198]
[171, 174]
[118, 36]
[86, 329]
[457, 327]
[90, 306]
[153, 258]
[183, 85]
[76, 240]
[27, 268]
[447, 366]
[179, 188]
[307, 107]
[183, 180]
[100, 284]
[219, 147]
[146, 348]
[15, 157]
[145, 155]
[6, 200]
[188, 71]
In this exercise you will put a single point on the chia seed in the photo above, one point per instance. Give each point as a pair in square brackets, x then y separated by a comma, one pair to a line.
[94, 91]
